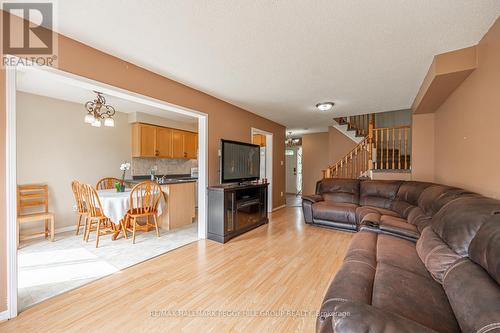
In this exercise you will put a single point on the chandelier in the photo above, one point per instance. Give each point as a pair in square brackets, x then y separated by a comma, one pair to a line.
[98, 110]
[292, 142]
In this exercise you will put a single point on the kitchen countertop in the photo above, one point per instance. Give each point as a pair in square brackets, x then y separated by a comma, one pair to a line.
[169, 179]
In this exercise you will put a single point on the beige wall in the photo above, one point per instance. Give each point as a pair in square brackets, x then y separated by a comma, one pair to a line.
[423, 142]
[55, 146]
[339, 145]
[3, 227]
[320, 150]
[224, 120]
[467, 125]
[315, 158]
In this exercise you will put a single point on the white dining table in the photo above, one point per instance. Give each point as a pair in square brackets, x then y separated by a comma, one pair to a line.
[116, 204]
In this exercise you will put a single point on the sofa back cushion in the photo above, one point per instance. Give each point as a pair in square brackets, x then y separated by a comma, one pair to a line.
[407, 197]
[339, 190]
[472, 283]
[458, 222]
[461, 250]
[434, 197]
[378, 193]
[435, 254]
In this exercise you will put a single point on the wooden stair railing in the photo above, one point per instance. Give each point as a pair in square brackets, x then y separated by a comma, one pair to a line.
[359, 123]
[392, 146]
[382, 148]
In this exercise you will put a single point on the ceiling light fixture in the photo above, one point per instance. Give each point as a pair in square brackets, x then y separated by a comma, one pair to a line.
[325, 106]
[291, 141]
[97, 110]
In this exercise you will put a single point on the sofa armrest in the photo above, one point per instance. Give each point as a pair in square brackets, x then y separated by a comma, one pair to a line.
[347, 317]
[312, 198]
[307, 202]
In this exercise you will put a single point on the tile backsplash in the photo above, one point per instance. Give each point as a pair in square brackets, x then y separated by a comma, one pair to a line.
[166, 166]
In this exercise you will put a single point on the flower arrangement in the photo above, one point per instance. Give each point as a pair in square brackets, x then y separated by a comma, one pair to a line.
[120, 186]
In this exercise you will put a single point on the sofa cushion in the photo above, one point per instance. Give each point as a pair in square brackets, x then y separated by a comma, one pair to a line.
[378, 193]
[339, 190]
[435, 254]
[434, 197]
[362, 211]
[398, 226]
[484, 249]
[338, 212]
[474, 297]
[407, 197]
[414, 297]
[458, 222]
[400, 253]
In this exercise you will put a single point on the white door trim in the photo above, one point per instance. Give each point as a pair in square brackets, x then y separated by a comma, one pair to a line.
[11, 190]
[86, 83]
[269, 163]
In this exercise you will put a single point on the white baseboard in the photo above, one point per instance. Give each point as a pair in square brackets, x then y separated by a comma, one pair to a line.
[57, 231]
[279, 207]
[4, 315]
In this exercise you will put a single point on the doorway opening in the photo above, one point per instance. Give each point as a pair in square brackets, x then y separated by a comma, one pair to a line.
[41, 269]
[293, 170]
[265, 140]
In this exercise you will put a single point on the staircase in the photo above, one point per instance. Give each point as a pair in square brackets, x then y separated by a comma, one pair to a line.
[385, 149]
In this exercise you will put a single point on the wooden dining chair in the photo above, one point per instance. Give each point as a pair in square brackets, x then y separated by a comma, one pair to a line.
[95, 218]
[33, 205]
[81, 209]
[107, 183]
[144, 201]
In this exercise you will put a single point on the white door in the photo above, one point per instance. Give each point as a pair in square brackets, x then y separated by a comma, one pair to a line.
[291, 170]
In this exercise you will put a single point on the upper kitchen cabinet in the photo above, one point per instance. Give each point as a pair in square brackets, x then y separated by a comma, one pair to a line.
[190, 145]
[184, 144]
[143, 140]
[163, 142]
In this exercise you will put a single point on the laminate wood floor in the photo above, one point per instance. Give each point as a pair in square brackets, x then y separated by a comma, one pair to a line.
[271, 279]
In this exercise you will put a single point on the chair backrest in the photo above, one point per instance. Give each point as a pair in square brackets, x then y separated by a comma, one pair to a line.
[107, 183]
[76, 187]
[91, 200]
[36, 197]
[145, 197]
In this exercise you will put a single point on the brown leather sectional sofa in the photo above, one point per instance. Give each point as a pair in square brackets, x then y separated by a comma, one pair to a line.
[426, 257]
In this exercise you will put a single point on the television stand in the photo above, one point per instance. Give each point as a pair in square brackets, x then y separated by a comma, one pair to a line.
[235, 209]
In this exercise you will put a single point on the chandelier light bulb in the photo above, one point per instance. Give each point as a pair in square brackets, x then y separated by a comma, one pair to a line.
[89, 118]
[96, 123]
[109, 122]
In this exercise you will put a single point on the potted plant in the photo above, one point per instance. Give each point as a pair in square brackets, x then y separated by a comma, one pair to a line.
[120, 186]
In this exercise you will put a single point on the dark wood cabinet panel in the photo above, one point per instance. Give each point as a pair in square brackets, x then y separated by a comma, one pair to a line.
[233, 210]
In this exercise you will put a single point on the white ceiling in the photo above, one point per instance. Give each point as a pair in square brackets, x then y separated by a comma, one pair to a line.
[47, 84]
[278, 58]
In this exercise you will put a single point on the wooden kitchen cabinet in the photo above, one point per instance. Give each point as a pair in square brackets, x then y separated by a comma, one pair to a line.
[163, 142]
[190, 145]
[178, 144]
[143, 140]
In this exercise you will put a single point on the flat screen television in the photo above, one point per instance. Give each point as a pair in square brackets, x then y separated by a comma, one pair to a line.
[240, 162]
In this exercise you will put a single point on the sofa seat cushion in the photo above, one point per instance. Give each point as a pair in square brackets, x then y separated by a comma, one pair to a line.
[338, 212]
[400, 253]
[362, 211]
[414, 297]
[385, 272]
[398, 226]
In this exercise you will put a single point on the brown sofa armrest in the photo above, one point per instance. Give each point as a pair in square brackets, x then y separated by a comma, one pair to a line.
[307, 202]
[347, 317]
[312, 198]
